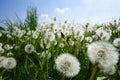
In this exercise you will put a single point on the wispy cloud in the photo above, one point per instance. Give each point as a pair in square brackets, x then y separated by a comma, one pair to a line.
[44, 17]
[62, 10]
[96, 10]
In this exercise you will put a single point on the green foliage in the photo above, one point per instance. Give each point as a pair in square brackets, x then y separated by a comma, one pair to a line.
[31, 20]
[38, 65]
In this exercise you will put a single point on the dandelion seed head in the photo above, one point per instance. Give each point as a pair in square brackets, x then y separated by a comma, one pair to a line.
[67, 64]
[29, 48]
[50, 36]
[102, 52]
[103, 34]
[116, 42]
[9, 63]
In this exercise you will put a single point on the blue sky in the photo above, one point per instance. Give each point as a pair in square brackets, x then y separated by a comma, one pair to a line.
[74, 10]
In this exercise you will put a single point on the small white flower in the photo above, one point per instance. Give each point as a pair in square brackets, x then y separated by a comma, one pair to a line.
[67, 64]
[29, 48]
[9, 63]
[116, 42]
[1, 60]
[102, 52]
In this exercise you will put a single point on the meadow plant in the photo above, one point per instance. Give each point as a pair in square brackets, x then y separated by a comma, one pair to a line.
[59, 51]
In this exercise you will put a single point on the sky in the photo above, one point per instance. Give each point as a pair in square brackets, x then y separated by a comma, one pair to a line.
[73, 10]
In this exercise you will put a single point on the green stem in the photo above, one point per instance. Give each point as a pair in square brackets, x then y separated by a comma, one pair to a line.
[2, 72]
[94, 71]
[47, 67]
[63, 77]
[26, 64]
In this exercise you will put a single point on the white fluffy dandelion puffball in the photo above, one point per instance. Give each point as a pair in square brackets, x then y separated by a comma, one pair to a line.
[67, 65]
[9, 63]
[29, 48]
[103, 53]
[50, 36]
[116, 42]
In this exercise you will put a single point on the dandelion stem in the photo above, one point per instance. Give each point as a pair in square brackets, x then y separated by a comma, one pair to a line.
[2, 72]
[93, 74]
[63, 77]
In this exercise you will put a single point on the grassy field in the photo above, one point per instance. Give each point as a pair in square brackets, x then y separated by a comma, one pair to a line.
[59, 51]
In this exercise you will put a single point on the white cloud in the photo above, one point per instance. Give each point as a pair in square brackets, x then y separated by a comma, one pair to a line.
[62, 10]
[97, 20]
[97, 11]
[44, 17]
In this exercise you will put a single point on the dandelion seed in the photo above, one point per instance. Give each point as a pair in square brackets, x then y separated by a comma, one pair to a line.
[9, 63]
[101, 52]
[116, 42]
[50, 36]
[67, 64]
[103, 34]
[29, 48]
